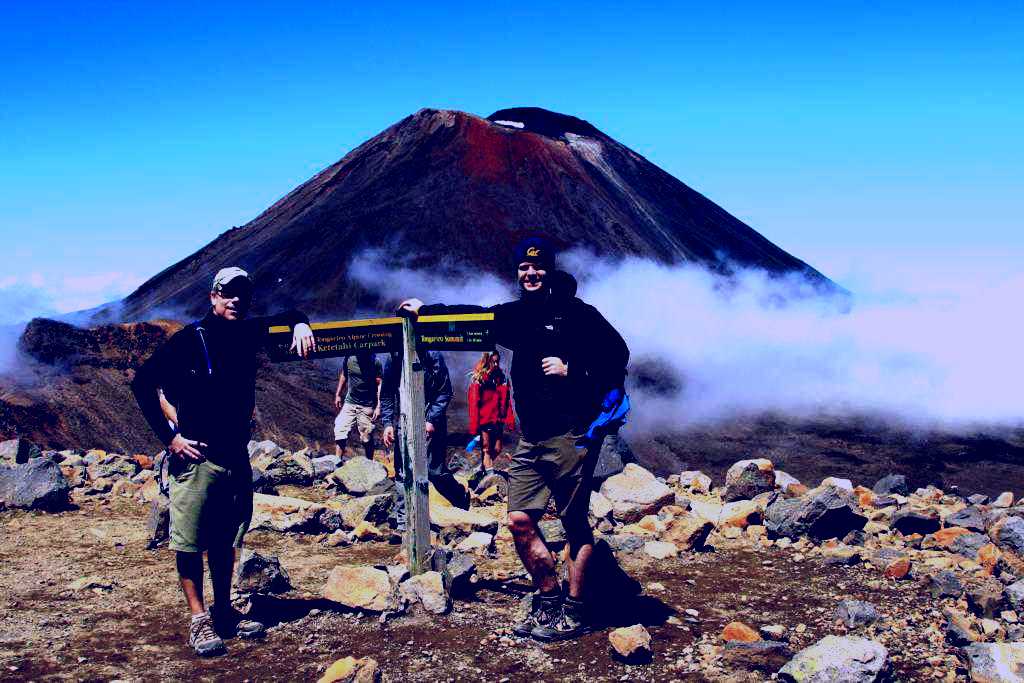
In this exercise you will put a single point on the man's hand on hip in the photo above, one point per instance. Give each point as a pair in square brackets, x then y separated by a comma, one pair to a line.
[429, 427]
[553, 365]
[389, 436]
[303, 341]
[186, 448]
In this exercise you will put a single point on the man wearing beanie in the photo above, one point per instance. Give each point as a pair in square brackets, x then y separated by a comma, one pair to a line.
[207, 371]
[566, 358]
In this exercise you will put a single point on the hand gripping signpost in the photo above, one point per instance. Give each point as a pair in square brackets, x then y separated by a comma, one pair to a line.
[465, 332]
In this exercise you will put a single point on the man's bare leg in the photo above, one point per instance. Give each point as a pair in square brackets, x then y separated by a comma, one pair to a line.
[533, 552]
[190, 575]
[578, 569]
[485, 449]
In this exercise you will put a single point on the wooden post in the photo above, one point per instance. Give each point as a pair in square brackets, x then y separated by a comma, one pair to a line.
[416, 542]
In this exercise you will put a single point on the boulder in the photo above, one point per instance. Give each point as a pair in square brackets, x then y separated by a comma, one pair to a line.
[943, 539]
[18, 452]
[373, 509]
[631, 643]
[922, 522]
[1008, 533]
[352, 670]
[293, 468]
[890, 485]
[255, 573]
[969, 545]
[695, 481]
[740, 514]
[459, 572]
[1015, 595]
[945, 584]
[978, 499]
[996, 662]
[360, 587]
[324, 465]
[958, 629]
[856, 613]
[37, 484]
[687, 532]
[466, 521]
[661, 550]
[635, 492]
[749, 478]
[600, 507]
[426, 589]
[286, 514]
[478, 541]
[1003, 500]
[838, 658]
[986, 599]
[113, 468]
[969, 518]
[787, 483]
[824, 512]
[360, 475]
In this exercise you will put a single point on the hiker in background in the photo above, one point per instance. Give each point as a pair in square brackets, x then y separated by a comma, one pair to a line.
[359, 407]
[490, 412]
[437, 394]
[568, 369]
[207, 371]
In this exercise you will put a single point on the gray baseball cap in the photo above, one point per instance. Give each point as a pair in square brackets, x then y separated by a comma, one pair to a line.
[226, 275]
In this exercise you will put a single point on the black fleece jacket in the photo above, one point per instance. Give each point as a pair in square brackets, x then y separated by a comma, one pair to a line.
[555, 323]
[207, 370]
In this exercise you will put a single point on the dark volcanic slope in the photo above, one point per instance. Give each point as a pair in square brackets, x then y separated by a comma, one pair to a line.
[449, 183]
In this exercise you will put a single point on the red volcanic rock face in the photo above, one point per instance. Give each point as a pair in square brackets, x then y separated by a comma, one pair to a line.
[472, 186]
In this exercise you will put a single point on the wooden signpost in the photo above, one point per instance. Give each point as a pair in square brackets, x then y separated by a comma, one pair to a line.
[460, 332]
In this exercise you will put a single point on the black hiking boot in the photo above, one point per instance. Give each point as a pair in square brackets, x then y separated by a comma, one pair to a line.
[229, 622]
[570, 623]
[544, 610]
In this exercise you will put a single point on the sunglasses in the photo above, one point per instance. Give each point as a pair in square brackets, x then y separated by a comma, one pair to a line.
[238, 288]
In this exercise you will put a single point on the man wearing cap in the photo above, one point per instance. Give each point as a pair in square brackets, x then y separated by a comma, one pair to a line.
[566, 359]
[207, 371]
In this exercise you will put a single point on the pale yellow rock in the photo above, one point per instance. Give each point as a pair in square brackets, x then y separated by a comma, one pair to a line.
[629, 642]
[352, 670]
[360, 588]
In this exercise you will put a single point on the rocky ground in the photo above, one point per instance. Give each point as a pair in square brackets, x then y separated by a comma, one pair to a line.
[751, 578]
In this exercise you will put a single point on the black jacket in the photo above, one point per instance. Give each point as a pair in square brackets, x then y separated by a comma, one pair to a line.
[437, 389]
[207, 370]
[561, 325]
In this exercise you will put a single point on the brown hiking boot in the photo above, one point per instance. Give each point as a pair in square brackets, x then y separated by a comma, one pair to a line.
[203, 638]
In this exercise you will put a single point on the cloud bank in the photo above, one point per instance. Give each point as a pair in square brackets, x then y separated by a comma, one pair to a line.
[918, 345]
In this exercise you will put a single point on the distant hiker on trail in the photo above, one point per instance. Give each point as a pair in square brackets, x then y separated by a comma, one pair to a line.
[568, 369]
[490, 413]
[207, 371]
[437, 393]
[360, 406]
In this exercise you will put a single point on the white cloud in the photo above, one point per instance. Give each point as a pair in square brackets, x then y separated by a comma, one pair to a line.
[38, 294]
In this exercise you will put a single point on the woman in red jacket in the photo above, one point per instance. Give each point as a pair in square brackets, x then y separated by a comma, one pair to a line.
[490, 408]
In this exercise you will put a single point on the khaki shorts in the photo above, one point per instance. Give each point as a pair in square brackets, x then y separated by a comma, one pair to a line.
[553, 468]
[211, 506]
[351, 415]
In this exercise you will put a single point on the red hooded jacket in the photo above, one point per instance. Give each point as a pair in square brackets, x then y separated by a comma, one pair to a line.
[490, 403]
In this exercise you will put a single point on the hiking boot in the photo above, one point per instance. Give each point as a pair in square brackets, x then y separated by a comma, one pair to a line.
[230, 622]
[570, 623]
[543, 610]
[491, 478]
[203, 638]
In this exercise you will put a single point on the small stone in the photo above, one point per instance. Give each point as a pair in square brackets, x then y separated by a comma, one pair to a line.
[737, 631]
[773, 632]
[360, 587]
[91, 583]
[428, 590]
[632, 643]
[986, 598]
[856, 613]
[1003, 500]
[945, 584]
[661, 550]
[352, 670]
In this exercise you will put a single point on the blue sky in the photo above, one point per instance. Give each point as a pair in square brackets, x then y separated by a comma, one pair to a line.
[850, 134]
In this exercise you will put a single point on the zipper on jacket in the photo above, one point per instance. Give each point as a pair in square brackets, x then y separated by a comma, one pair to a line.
[206, 351]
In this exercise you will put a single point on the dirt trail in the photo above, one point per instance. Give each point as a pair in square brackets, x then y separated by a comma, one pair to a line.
[134, 631]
